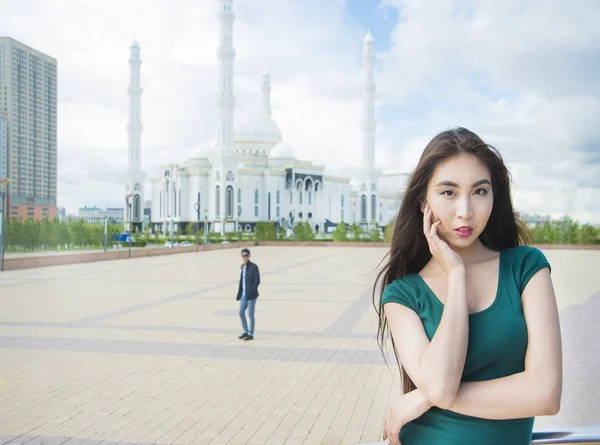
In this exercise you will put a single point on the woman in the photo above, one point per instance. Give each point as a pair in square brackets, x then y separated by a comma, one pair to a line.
[471, 311]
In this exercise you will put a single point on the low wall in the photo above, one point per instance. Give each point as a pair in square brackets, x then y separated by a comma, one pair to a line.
[384, 245]
[73, 258]
[120, 254]
[321, 244]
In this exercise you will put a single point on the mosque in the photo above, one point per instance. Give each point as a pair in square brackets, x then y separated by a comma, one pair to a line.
[251, 173]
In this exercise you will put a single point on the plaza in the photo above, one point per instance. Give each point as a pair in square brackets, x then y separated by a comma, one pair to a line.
[145, 351]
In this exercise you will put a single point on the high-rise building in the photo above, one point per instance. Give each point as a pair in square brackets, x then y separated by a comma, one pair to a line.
[3, 146]
[3, 161]
[28, 95]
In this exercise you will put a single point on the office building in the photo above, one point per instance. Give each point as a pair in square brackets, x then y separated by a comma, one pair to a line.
[28, 96]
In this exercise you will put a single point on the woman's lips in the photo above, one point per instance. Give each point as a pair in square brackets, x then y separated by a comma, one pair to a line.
[464, 231]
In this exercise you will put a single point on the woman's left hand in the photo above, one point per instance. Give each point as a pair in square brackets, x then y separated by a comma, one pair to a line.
[395, 419]
[402, 410]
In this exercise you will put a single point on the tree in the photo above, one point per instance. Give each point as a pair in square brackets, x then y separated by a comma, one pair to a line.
[588, 234]
[265, 231]
[355, 232]
[303, 232]
[190, 229]
[545, 234]
[340, 234]
[375, 234]
[81, 233]
[281, 233]
[568, 231]
[388, 233]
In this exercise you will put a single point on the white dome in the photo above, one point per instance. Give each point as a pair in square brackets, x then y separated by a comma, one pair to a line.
[134, 44]
[369, 37]
[282, 150]
[204, 157]
[252, 124]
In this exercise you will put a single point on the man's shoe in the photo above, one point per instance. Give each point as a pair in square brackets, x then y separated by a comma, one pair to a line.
[244, 335]
[248, 337]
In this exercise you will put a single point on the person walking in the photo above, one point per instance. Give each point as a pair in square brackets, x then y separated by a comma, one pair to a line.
[248, 293]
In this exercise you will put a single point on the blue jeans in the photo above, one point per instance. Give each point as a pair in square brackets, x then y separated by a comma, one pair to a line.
[250, 304]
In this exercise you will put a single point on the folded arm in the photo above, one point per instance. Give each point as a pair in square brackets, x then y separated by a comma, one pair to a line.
[533, 392]
[537, 390]
[435, 367]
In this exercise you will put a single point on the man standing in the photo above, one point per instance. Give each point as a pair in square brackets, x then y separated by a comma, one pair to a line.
[248, 293]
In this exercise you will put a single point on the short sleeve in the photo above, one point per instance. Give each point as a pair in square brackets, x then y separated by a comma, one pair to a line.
[531, 260]
[399, 292]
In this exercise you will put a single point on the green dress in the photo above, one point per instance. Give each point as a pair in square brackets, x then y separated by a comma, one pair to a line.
[497, 346]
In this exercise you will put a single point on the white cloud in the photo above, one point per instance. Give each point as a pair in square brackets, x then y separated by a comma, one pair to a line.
[522, 75]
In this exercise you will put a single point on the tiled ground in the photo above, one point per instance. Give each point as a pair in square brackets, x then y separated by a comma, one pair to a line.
[145, 351]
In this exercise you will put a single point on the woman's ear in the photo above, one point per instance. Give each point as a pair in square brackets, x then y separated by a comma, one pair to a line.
[423, 204]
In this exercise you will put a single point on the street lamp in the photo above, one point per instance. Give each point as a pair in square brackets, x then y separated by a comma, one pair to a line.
[2, 194]
[292, 216]
[105, 232]
[238, 227]
[129, 202]
[197, 207]
[205, 226]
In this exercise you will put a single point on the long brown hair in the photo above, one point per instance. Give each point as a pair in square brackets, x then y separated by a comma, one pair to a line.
[409, 251]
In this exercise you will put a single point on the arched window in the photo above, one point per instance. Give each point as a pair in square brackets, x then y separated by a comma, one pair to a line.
[300, 196]
[373, 208]
[136, 207]
[309, 197]
[217, 201]
[229, 202]
[239, 196]
[278, 197]
[363, 208]
[256, 203]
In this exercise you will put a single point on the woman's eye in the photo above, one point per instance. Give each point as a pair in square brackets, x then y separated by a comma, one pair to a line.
[447, 192]
[482, 192]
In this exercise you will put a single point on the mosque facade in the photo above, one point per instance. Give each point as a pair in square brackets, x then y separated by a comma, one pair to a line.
[250, 173]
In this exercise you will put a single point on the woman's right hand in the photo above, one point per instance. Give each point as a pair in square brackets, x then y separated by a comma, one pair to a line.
[441, 251]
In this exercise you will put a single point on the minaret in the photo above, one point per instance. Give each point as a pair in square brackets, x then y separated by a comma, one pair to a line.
[225, 173]
[135, 182]
[266, 93]
[225, 97]
[368, 127]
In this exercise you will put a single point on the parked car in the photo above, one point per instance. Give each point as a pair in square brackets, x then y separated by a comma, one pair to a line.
[170, 243]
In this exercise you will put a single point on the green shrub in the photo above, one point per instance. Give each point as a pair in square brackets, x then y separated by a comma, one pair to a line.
[340, 233]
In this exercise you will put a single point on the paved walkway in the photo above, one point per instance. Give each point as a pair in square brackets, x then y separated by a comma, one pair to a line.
[145, 351]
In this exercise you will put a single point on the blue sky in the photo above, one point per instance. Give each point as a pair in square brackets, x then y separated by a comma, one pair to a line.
[523, 75]
[374, 15]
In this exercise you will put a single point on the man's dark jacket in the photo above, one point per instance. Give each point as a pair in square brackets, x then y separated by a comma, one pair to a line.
[252, 281]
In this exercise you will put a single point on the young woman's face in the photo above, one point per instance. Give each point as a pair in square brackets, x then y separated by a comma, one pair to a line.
[460, 195]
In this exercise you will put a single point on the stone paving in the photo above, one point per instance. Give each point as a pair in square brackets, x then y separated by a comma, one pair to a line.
[145, 351]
